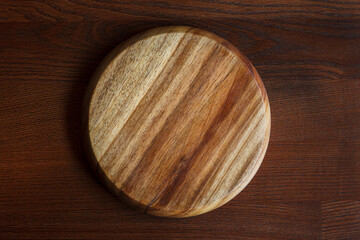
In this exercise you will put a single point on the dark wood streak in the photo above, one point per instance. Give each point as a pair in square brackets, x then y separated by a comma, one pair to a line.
[163, 134]
[211, 175]
[149, 106]
[231, 99]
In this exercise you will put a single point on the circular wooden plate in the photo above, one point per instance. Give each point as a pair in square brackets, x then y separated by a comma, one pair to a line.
[177, 121]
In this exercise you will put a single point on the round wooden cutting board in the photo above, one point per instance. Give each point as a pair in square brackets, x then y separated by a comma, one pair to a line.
[177, 121]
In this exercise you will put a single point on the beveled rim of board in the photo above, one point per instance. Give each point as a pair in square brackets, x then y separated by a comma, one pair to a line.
[249, 173]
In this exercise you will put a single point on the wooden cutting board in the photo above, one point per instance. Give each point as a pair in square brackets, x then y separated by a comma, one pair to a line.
[177, 121]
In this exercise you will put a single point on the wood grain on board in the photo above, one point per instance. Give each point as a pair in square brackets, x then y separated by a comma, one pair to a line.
[307, 54]
[177, 121]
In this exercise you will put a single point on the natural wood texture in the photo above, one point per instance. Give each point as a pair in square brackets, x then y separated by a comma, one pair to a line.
[340, 220]
[307, 54]
[177, 121]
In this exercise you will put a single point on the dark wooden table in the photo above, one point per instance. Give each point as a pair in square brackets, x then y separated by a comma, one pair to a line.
[308, 55]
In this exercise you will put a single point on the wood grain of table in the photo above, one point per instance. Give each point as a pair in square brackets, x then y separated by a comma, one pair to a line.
[308, 56]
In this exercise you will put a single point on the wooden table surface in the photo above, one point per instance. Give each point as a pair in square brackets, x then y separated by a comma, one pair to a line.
[308, 56]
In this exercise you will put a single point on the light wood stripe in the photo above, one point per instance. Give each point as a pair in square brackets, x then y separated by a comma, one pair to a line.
[177, 121]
